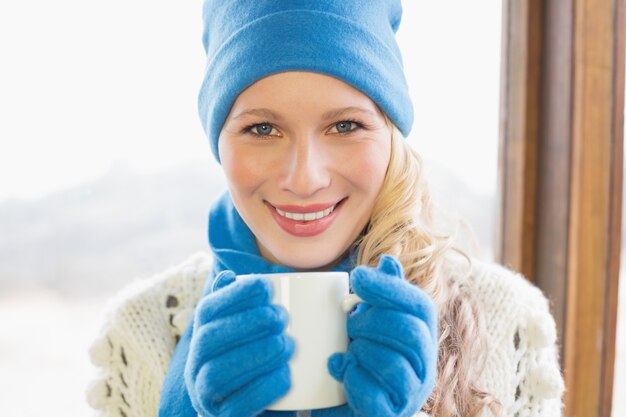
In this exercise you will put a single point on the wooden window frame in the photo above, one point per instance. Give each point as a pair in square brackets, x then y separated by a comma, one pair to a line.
[560, 176]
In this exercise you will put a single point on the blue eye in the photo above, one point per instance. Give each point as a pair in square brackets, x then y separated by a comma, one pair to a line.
[263, 129]
[344, 126]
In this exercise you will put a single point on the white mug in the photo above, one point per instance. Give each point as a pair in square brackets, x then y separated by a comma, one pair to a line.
[317, 304]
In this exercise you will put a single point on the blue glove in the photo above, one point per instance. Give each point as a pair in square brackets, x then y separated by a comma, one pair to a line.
[391, 363]
[238, 354]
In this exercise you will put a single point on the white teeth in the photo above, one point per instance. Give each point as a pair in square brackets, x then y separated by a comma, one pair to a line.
[306, 216]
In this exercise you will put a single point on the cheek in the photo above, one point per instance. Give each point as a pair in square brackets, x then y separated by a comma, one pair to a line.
[241, 167]
[366, 166]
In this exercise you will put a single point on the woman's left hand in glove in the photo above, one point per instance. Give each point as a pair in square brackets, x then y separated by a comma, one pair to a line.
[391, 363]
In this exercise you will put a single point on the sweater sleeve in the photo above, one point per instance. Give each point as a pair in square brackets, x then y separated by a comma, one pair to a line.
[141, 328]
[521, 369]
[538, 377]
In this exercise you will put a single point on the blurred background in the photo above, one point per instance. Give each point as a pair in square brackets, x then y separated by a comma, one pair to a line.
[106, 176]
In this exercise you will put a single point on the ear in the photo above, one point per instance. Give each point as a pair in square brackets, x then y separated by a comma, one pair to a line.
[390, 266]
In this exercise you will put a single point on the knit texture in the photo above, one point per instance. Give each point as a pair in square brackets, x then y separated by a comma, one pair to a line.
[350, 40]
[144, 321]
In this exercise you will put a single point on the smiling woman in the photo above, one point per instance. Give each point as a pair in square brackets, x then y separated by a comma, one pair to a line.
[311, 141]
[304, 164]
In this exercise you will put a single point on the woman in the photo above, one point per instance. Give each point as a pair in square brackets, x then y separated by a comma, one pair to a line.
[305, 105]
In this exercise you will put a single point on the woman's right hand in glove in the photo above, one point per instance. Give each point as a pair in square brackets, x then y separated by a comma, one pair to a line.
[237, 363]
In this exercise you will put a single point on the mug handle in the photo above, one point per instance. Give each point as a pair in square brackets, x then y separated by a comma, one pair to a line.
[349, 301]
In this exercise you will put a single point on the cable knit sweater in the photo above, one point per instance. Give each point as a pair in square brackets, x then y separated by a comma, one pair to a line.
[145, 320]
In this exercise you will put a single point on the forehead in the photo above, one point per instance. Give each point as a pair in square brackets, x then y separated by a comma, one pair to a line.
[300, 90]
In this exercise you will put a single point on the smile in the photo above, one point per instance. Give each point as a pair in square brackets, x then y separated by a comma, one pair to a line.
[305, 221]
[316, 215]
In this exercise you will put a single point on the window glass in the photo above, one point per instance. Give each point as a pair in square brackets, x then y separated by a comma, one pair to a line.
[451, 52]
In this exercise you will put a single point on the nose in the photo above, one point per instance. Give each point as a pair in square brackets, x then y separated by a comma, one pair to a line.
[305, 167]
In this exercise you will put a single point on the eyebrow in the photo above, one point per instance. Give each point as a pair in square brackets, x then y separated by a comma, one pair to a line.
[330, 114]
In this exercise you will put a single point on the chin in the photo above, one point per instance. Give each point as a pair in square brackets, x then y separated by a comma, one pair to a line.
[309, 263]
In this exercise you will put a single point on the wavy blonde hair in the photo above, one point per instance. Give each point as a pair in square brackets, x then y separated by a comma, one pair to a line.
[402, 224]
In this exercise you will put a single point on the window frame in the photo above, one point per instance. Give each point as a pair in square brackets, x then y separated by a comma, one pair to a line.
[561, 142]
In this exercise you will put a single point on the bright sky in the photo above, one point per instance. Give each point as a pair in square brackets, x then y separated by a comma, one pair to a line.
[85, 85]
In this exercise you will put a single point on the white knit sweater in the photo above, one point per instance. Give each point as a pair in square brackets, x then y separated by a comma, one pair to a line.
[145, 320]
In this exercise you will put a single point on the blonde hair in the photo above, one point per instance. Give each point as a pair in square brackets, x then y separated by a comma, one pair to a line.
[401, 224]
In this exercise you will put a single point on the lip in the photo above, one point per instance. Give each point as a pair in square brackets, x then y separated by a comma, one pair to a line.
[305, 229]
[304, 209]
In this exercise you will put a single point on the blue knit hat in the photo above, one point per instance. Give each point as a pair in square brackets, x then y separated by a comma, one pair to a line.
[352, 40]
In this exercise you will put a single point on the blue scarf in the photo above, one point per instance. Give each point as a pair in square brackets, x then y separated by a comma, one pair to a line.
[234, 248]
